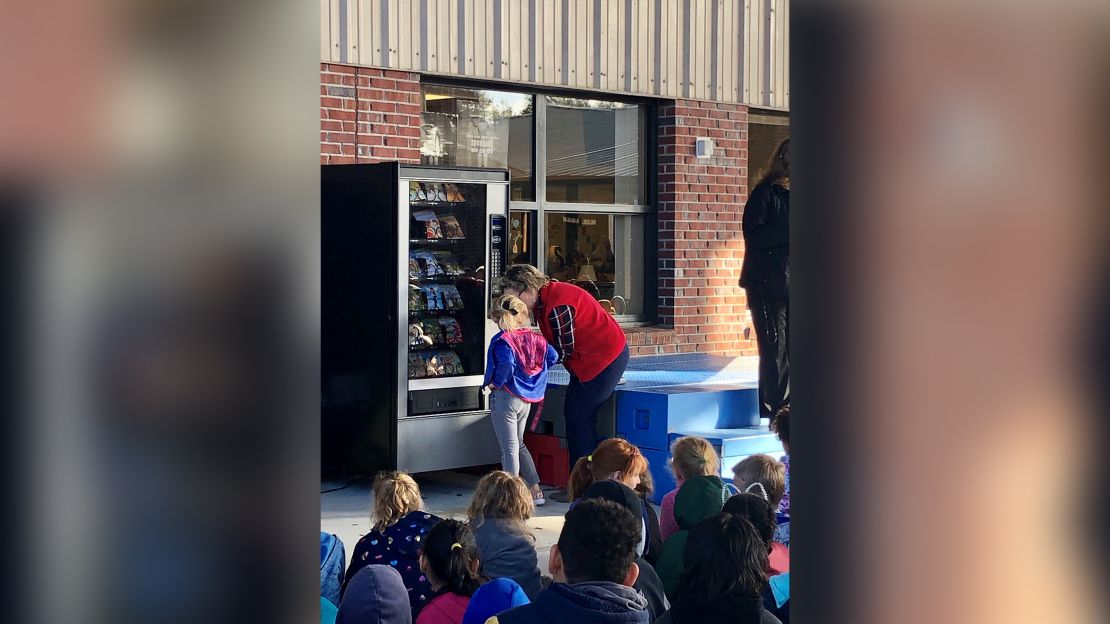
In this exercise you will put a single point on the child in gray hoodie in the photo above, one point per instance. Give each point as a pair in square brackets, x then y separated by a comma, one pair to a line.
[498, 516]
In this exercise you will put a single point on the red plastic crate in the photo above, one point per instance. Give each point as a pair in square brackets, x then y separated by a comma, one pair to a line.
[552, 460]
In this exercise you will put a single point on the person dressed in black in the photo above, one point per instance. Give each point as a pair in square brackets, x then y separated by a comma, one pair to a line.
[765, 278]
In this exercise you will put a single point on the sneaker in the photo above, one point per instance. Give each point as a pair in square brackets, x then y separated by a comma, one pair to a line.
[538, 500]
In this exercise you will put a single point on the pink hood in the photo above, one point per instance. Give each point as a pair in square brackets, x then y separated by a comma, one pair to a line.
[529, 348]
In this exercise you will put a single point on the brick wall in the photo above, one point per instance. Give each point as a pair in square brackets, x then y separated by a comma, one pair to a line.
[368, 115]
[700, 239]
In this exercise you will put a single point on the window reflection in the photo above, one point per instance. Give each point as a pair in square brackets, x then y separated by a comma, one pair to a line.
[602, 253]
[479, 128]
[594, 151]
[522, 237]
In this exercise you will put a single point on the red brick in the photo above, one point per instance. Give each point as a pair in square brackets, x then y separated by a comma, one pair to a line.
[400, 75]
[338, 79]
[383, 84]
[371, 94]
[344, 69]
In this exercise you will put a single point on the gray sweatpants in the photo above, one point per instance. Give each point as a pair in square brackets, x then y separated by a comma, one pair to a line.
[510, 420]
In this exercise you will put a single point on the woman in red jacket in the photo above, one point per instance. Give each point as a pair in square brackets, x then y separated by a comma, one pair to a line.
[590, 344]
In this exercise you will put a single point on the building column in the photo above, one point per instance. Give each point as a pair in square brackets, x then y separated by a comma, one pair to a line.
[701, 247]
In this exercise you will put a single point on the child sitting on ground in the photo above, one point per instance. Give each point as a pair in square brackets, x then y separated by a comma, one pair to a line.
[450, 562]
[691, 456]
[516, 377]
[780, 424]
[332, 561]
[647, 583]
[594, 570]
[498, 517]
[723, 575]
[763, 475]
[375, 595]
[492, 599]
[653, 546]
[398, 528]
[758, 512]
[699, 498]
[621, 461]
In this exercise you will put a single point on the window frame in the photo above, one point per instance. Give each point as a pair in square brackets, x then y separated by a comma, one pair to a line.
[540, 206]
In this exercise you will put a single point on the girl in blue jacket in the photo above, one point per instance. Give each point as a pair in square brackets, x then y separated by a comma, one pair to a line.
[516, 375]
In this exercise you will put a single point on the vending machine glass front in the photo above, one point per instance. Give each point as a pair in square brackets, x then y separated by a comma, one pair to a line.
[447, 279]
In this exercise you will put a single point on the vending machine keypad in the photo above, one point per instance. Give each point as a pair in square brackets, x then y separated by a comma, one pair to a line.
[497, 242]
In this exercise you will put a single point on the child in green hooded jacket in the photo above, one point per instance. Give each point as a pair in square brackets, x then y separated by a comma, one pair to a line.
[698, 498]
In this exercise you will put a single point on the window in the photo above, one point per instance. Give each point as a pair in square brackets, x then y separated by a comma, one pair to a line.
[594, 152]
[522, 237]
[580, 214]
[479, 128]
[602, 253]
[765, 132]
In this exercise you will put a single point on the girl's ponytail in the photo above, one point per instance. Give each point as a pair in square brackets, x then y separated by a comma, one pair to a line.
[614, 455]
[452, 555]
[581, 478]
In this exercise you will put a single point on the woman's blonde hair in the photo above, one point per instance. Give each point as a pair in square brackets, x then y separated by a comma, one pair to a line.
[522, 277]
[612, 455]
[692, 456]
[765, 470]
[500, 495]
[395, 496]
[510, 313]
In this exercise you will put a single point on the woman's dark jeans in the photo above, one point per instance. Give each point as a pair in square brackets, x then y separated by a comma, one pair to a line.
[583, 401]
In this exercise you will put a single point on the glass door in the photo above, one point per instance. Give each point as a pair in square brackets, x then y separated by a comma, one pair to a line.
[447, 279]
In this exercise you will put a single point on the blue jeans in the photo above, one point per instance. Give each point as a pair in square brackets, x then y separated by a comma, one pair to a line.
[581, 405]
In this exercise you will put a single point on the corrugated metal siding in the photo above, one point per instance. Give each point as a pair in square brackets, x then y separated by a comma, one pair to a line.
[725, 50]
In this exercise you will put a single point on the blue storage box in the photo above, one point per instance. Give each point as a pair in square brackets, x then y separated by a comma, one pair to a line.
[737, 443]
[648, 416]
[731, 445]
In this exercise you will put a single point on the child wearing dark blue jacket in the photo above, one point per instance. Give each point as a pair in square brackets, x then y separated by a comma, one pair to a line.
[516, 377]
[595, 572]
[398, 530]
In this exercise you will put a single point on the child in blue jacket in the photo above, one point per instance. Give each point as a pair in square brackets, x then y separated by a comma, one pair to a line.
[516, 375]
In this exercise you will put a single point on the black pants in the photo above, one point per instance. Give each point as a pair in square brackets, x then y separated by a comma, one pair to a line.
[771, 316]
